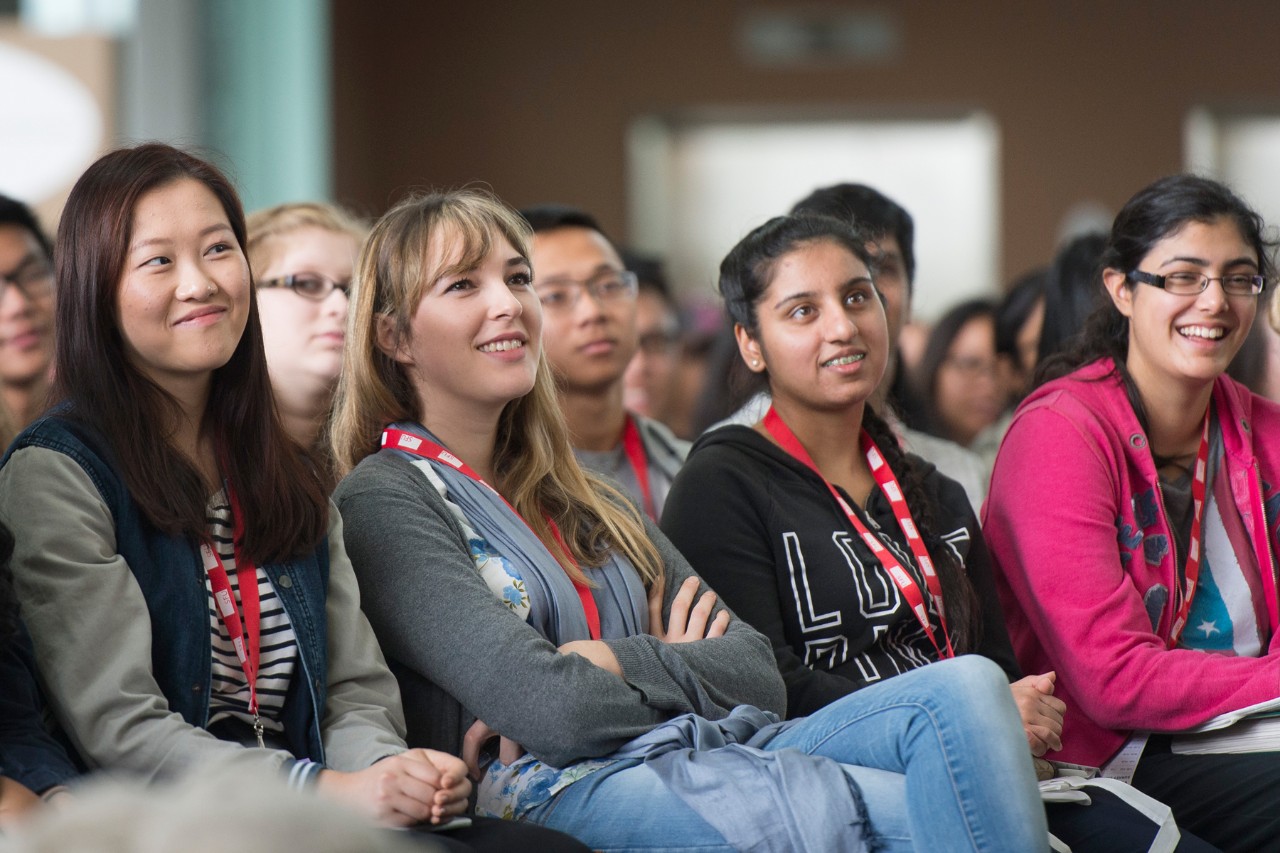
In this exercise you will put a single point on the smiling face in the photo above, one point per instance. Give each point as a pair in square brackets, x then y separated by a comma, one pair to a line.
[590, 343]
[475, 336]
[183, 298]
[26, 316]
[1188, 340]
[821, 330]
[303, 337]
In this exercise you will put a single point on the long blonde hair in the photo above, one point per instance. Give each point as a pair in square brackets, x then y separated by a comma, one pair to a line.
[533, 462]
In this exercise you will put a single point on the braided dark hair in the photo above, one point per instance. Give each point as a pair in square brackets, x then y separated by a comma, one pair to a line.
[964, 623]
[744, 277]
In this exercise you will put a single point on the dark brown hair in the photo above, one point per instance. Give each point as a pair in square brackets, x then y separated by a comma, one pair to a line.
[284, 503]
[1157, 211]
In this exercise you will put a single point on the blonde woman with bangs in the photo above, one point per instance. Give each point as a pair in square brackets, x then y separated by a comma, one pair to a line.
[539, 625]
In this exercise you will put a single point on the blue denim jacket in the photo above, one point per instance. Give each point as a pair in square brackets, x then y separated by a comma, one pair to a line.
[169, 572]
[29, 752]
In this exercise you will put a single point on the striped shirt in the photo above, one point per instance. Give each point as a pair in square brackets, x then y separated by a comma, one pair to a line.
[229, 696]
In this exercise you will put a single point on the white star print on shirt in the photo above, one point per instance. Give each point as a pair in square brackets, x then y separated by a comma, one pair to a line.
[1208, 628]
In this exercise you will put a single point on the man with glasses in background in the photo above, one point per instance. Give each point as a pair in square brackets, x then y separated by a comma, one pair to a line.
[589, 337]
[26, 318]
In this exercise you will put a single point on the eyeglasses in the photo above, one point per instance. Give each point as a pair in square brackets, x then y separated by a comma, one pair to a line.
[1191, 283]
[34, 277]
[660, 342]
[309, 284]
[973, 368]
[562, 294]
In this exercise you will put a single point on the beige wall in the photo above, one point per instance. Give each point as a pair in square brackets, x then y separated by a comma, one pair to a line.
[535, 98]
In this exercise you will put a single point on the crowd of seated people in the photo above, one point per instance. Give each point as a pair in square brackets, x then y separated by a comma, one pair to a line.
[388, 514]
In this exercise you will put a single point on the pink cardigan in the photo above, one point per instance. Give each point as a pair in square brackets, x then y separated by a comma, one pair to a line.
[1084, 561]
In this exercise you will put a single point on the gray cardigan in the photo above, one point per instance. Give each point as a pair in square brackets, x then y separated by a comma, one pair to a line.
[460, 654]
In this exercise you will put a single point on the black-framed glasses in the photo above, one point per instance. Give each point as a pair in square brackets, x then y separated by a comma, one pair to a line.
[1191, 283]
[309, 284]
[34, 277]
[562, 294]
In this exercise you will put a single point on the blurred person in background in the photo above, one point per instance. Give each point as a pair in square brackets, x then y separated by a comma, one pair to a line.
[26, 317]
[302, 255]
[1019, 319]
[589, 307]
[960, 374]
[649, 384]
[1072, 291]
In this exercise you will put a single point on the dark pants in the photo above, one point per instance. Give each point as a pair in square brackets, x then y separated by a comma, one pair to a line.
[1109, 825]
[490, 835]
[1230, 800]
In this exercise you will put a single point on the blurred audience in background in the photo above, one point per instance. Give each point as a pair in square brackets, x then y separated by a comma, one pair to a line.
[303, 255]
[649, 384]
[590, 334]
[1072, 291]
[960, 375]
[26, 317]
[1019, 321]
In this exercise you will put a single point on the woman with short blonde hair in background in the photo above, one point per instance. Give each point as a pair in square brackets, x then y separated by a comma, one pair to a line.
[302, 255]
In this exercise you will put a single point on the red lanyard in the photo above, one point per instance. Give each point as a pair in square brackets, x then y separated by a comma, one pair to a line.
[888, 484]
[1192, 575]
[248, 648]
[427, 449]
[634, 448]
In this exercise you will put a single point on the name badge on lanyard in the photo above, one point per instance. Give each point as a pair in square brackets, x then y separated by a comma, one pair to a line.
[245, 633]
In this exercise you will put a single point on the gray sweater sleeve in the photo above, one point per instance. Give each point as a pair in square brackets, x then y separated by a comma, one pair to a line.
[363, 719]
[435, 616]
[88, 622]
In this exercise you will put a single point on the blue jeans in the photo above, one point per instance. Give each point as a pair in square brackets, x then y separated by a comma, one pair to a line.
[938, 754]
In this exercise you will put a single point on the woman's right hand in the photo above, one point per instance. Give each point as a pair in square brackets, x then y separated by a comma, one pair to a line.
[1041, 712]
[401, 790]
[687, 621]
[476, 737]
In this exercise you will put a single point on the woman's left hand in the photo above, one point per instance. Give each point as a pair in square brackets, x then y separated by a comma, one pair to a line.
[1041, 712]
[688, 621]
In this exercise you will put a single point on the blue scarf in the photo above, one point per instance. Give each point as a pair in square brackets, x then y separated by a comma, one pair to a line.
[555, 608]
